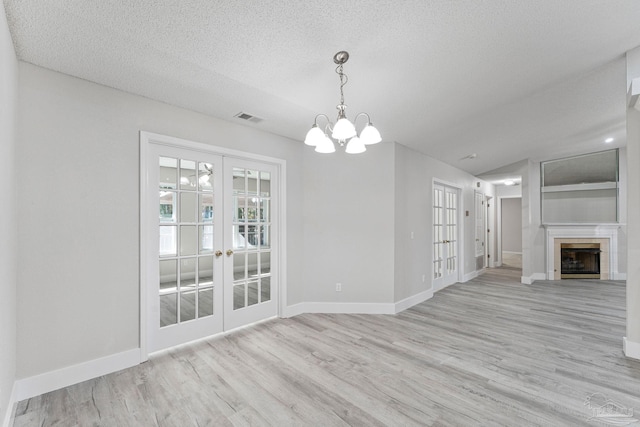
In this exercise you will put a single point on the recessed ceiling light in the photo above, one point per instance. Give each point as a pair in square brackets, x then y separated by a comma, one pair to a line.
[509, 182]
[608, 140]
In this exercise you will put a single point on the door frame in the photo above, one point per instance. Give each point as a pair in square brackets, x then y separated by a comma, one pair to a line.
[460, 219]
[499, 227]
[490, 231]
[148, 138]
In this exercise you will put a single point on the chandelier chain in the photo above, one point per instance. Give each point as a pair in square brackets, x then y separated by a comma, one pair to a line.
[343, 81]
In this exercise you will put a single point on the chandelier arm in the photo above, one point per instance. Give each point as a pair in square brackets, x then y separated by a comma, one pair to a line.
[328, 125]
[362, 114]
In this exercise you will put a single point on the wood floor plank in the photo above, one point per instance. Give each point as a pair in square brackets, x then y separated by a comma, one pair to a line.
[491, 351]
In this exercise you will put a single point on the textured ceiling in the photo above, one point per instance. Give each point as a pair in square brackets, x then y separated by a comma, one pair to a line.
[503, 79]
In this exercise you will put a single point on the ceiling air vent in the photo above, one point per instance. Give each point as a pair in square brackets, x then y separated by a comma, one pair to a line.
[248, 117]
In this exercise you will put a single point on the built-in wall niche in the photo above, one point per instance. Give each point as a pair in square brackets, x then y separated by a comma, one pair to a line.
[581, 189]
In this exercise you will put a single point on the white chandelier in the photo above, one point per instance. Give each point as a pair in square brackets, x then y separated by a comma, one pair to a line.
[343, 130]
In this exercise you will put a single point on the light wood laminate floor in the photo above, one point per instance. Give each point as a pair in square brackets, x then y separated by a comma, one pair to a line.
[487, 352]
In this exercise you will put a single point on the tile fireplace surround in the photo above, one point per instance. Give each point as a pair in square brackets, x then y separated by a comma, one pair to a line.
[604, 234]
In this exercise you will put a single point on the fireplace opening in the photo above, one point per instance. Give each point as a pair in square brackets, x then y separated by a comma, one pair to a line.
[580, 260]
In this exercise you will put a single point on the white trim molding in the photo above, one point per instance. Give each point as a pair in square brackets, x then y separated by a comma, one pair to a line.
[49, 381]
[416, 299]
[583, 231]
[9, 416]
[631, 349]
[528, 280]
[349, 307]
[471, 276]
[357, 307]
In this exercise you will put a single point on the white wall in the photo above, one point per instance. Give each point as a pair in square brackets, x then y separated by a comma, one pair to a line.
[632, 173]
[348, 225]
[414, 174]
[8, 263]
[511, 226]
[533, 234]
[78, 251]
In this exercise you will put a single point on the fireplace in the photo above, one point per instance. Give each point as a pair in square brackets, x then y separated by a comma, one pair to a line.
[599, 240]
[580, 260]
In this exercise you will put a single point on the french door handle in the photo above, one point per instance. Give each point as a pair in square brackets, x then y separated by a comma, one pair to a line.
[229, 252]
[218, 253]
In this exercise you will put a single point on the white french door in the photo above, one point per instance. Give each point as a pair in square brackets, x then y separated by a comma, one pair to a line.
[251, 235]
[211, 239]
[445, 236]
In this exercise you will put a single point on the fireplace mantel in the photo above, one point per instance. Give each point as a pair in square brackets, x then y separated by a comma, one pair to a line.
[583, 231]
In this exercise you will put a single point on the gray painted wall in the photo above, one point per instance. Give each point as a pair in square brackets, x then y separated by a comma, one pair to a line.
[78, 155]
[512, 225]
[414, 175]
[632, 174]
[348, 225]
[8, 235]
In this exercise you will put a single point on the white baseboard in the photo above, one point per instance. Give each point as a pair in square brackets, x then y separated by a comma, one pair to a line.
[527, 280]
[9, 416]
[294, 310]
[470, 276]
[357, 307]
[412, 300]
[511, 252]
[349, 307]
[49, 381]
[631, 349]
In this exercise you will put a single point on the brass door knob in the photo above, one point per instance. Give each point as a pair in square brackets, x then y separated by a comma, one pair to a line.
[229, 252]
[218, 253]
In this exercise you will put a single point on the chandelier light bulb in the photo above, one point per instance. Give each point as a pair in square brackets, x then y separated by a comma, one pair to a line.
[325, 146]
[314, 136]
[370, 135]
[355, 146]
[343, 130]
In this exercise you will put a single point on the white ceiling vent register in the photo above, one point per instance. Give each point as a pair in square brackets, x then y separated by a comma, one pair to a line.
[343, 130]
[248, 117]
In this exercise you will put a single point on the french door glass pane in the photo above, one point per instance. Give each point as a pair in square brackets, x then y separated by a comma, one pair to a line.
[168, 240]
[186, 266]
[187, 306]
[167, 206]
[188, 177]
[238, 296]
[187, 273]
[205, 271]
[168, 173]
[188, 207]
[168, 309]
[205, 302]
[188, 240]
[206, 208]
[168, 275]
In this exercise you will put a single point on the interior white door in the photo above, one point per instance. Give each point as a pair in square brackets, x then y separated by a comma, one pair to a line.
[480, 230]
[445, 236]
[251, 242]
[212, 227]
[184, 276]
